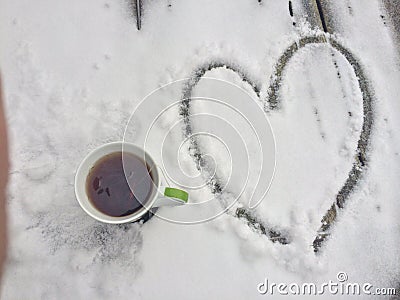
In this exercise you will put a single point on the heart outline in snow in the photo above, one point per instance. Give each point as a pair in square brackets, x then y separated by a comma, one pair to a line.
[272, 102]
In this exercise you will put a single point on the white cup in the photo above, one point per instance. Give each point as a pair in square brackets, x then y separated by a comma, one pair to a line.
[160, 195]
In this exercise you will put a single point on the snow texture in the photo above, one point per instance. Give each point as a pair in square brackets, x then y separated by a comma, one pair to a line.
[74, 71]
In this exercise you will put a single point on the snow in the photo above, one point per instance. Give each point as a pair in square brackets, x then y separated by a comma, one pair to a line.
[75, 71]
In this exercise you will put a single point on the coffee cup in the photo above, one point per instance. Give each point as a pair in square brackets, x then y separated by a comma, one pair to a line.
[158, 194]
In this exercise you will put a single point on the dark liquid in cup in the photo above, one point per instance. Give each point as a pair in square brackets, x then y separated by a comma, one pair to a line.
[117, 193]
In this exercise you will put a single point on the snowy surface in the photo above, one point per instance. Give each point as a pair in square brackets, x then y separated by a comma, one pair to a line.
[73, 73]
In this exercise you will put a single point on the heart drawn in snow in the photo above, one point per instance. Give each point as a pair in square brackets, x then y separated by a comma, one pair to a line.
[272, 102]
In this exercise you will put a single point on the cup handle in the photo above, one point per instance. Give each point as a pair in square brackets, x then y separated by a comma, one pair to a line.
[171, 197]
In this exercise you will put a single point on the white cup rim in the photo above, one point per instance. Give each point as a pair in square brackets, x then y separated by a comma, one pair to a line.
[86, 165]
